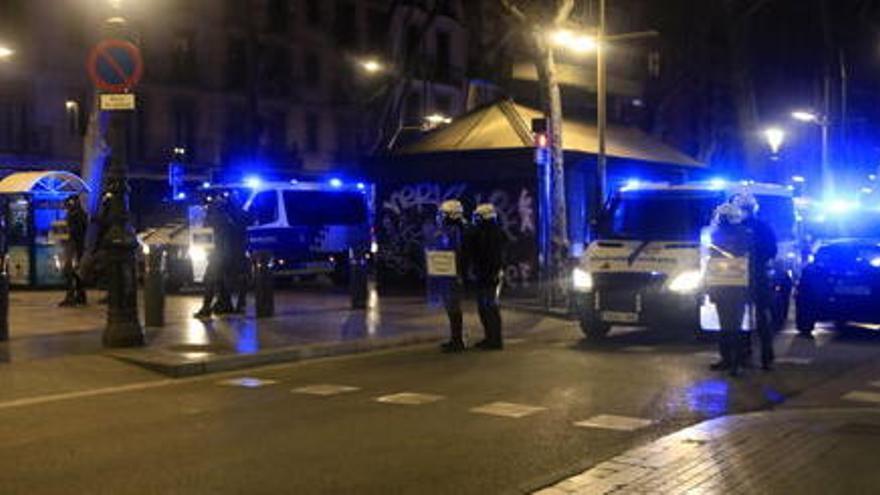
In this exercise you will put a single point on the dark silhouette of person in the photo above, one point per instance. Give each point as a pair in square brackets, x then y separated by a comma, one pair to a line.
[763, 251]
[73, 249]
[484, 252]
[216, 295]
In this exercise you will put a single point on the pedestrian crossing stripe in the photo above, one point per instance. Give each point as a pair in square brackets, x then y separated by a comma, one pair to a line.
[507, 409]
[324, 389]
[794, 360]
[614, 422]
[409, 398]
[638, 348]
[863, 396]
[247, 382]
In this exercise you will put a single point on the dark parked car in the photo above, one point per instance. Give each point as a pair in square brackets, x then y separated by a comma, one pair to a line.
[840, 284]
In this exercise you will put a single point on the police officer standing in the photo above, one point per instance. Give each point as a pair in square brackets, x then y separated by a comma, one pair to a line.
[239, 268]
[445, 263]
[217, 220]
[763, 251]
[74, 246]
[727, 280]
[484, 249]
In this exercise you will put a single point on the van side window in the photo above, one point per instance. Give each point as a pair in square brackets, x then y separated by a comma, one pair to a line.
[264, 208]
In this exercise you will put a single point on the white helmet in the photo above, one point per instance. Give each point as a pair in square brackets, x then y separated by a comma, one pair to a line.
[746, 202]
[485, 212]
[728, 213]
[452, 209]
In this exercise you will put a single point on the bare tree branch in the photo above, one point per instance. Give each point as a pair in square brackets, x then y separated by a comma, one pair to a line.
[514, 11]
[564, 11]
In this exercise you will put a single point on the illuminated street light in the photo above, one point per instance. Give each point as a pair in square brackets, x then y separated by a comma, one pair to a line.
[805, 116]
[6, 52]
[371, 66]
[775, 136]
[580, 43]
[823, 122]
[437, 119]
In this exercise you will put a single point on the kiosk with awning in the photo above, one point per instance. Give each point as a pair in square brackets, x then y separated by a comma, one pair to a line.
[34, 203]
[488, 154]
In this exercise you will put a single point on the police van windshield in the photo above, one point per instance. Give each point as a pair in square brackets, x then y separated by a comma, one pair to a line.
[315, 208]
[661, 215]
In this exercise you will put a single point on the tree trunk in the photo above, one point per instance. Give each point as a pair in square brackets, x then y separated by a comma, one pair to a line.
[552, 102]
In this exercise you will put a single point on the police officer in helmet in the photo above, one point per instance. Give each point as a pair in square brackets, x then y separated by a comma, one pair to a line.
[484, 248]
[728, 253]
[448, 237]
[763, 251]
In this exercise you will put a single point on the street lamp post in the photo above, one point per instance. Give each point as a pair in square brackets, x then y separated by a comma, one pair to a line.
[825, 125]
[119, 242]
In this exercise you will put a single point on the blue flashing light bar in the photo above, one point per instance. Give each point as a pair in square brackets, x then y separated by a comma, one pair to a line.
[253, 182]
[335, 182]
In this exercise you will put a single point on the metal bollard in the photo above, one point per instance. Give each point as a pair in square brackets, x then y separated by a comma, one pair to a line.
[264, 290]
[4, 299]
[154, 288]
[357, 279]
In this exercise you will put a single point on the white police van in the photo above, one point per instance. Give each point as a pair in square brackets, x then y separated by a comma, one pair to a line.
[310, 228]
[644, 268]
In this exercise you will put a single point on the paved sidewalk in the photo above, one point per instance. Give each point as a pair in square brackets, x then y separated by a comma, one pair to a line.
[778, 452]
[308, 323]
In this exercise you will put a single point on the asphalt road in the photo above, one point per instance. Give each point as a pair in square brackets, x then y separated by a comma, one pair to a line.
[203, 436]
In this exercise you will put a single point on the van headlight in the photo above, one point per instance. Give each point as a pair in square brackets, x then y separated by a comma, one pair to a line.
[582, 280]
[198, 254]
[686, 282]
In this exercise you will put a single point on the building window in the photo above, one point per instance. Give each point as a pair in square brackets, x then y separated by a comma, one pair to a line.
[413, 110]
[236, 63]
[183, 128]
[312, 70]
[443, 56]
[444, 104]
[413, 41]
[313, 12]
[278, 12]
[346, 23]
[313, 132]
[183, 57]
[377, 27]
[12, 124]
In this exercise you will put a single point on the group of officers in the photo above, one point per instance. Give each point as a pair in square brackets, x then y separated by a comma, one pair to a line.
[740, 250]
[227, 273]
[478, 253]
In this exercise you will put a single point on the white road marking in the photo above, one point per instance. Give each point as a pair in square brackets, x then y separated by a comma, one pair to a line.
[613, 422]
[247, 382]
[43, 399]
[794, 360]
[706, 355]
[862, 396]
[507, 409]
[875, 384]
[409, 398]
[324, 389]
[638, 348]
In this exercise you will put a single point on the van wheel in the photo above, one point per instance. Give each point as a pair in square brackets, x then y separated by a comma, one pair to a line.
[594, 328]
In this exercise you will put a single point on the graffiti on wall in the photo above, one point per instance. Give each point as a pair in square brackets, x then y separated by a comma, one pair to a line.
[407, 214]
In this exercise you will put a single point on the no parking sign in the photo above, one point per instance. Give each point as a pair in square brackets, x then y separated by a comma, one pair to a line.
[115, 66]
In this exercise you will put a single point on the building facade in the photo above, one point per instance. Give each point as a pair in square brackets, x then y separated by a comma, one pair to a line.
[232, 84]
